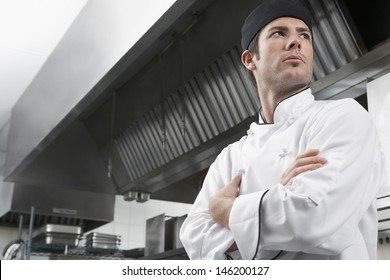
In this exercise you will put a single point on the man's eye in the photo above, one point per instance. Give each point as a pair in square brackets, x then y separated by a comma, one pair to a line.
[305, 36]
[278, 34]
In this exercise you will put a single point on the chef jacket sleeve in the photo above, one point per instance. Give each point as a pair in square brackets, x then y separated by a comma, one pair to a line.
[320, 212]
[202, 237]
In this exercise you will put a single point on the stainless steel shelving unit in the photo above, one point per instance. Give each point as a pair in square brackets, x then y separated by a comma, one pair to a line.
[175, 254]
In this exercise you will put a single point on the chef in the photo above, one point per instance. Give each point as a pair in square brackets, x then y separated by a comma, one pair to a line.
[302, 183]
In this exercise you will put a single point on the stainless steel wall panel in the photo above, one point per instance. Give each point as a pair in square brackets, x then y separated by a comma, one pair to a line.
[214, 100]
[323, 57]
[168, 146]
[208, 118]
[172, 138]
[348, 46]
[318, 68]
[157, 128]
[124, 156]
[144, 150]
[221, 76]
[334, 44]
[197, 114]
[131, 157]
[324, 24]
[139, 159]
[225, 101]
[146, 136]
[148, 145]
[155, 137]
[133, 153]
[181, 116]
[192, 137]
[175, 123]
[236, 107]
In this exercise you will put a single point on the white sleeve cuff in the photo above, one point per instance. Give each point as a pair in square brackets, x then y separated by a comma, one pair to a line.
[244, 223]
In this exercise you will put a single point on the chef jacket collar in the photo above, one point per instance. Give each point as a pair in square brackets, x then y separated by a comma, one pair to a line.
[291, 107]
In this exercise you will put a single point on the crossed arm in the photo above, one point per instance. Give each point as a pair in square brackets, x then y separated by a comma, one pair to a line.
[221, 204]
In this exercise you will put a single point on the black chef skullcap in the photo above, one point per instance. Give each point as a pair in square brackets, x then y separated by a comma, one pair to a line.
[267, 12]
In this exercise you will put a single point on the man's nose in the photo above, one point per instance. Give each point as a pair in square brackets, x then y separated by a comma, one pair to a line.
[295, 44]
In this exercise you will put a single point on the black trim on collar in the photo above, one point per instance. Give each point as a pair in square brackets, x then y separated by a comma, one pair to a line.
[261, 115]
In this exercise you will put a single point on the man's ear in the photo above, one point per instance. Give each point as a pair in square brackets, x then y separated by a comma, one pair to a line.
[247, 58]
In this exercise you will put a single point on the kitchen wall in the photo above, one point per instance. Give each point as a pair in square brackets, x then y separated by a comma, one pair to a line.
[130, 219]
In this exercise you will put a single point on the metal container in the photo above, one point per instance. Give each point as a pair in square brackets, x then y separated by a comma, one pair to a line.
[155, 234]
[57, 239]
[57, 234]
[102, 241]
[176, 236]
[162, 234]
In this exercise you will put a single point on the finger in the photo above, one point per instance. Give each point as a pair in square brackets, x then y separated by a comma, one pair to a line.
[234, 185]
[236, 179]
[305, 168]
[309, 153]
[304, 161]
[294, 172]
[309, 160]
[232, 188]
[287, 180]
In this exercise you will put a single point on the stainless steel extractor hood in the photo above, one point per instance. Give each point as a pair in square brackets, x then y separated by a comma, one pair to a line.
[54, 206]
[176, 108]
[81, 73]
[66, 184]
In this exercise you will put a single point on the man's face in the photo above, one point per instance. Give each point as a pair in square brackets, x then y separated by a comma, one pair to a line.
[285, 54]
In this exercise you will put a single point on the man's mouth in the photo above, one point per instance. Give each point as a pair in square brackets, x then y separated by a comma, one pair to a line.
[294, 58]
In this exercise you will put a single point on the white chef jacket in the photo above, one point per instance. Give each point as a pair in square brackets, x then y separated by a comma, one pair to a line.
[328, 213]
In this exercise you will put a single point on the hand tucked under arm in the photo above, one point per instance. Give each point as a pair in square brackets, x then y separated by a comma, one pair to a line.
[307, 161]
[221, 204]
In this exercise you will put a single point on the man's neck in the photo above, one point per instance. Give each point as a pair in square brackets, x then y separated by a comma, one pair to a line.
[269, 100]
[268, 106]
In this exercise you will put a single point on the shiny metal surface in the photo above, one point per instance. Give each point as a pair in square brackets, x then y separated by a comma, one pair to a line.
[72, 78]
[102, 240]
[71, 161]
[181, 94]
[334, 44]
[55, 228]
[221, 97]
[67, 167]
[66, 175]
[215, 100]
[88, 210]
[351, 79]
[176, 231]
[162, 234]
[155, 235]
[57, 234]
